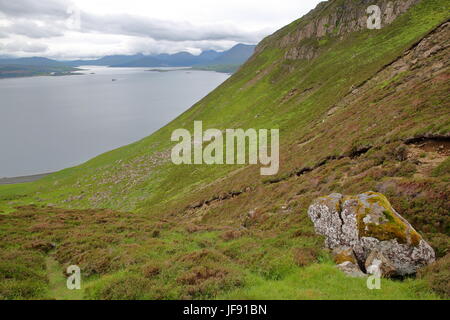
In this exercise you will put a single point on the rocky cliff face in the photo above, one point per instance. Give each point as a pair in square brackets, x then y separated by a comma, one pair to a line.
[335, 18]
[427, 61]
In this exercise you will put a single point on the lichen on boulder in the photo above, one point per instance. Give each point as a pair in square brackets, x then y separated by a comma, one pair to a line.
[367, 223]
[344, 254]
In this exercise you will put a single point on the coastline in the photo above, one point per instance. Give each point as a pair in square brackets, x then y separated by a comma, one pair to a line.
[23, 179]
[74, 73]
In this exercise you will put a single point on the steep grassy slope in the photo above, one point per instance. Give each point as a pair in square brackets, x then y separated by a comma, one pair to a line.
[269, 92]
[348, 102]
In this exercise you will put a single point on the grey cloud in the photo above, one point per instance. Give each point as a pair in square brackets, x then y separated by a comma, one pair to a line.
[33, 8]
[32, 29]
[49, 19]
[57, 11]
[23, 46]
[164, 30]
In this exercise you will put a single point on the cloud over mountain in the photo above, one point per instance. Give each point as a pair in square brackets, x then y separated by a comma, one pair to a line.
[58, 27]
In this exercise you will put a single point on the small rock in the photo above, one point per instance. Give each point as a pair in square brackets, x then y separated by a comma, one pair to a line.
[351, 269]
[377, 262]
[251, 214]
[332, 111]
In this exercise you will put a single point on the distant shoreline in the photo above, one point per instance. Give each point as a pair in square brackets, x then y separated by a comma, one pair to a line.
[23, 179]
[74, 73]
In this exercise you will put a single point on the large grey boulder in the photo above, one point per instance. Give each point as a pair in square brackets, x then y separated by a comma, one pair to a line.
[368, 224]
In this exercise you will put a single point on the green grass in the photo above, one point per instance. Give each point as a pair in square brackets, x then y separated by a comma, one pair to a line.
[231, 68]
[325, 282]
[122, 257]
[443, 169]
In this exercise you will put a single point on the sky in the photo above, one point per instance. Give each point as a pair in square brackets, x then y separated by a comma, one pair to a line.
[72, 29]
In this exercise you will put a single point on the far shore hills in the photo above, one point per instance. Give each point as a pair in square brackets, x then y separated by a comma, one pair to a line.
[227, 62]
[23, 179]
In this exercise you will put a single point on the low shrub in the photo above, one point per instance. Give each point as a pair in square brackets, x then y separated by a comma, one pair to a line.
[437, 276]
[121, 287]
[305, 256]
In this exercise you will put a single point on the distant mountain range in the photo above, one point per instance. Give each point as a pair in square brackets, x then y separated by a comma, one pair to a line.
[226, 61]
[35, 61]
[235, 56]
[105, 61]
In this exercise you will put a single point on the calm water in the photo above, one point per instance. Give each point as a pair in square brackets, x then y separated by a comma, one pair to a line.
[50, 123]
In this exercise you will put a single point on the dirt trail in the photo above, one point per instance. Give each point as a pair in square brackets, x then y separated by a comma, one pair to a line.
[58, 283]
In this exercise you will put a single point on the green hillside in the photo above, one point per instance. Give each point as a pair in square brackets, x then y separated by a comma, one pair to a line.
[357, 110]
[30, 67]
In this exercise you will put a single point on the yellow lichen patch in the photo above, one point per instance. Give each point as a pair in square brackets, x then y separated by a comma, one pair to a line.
[379, 199]
[415, 238]
[386, 232]
[344, 257]
[390, 225]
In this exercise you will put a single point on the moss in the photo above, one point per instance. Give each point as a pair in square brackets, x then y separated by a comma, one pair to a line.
[386, 232]
[344, 257]
[393, 228]
[388, 216]
[415, 238]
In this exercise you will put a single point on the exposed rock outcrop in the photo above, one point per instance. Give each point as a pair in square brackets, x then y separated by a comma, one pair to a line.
[335, 18]
[374, 231]
[425, 61]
